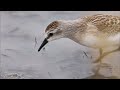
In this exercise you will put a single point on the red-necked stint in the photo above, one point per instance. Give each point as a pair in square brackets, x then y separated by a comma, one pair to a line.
[96, 31]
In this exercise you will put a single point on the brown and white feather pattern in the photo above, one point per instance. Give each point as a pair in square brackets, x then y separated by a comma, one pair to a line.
[99, 31]
[105, 23]
[52, 26]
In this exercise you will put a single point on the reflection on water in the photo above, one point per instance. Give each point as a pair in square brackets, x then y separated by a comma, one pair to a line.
[21, 35]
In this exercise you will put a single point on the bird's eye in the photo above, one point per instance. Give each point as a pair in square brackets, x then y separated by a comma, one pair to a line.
[51, 34]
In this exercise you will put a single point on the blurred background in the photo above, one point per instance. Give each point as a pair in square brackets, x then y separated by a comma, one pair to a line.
[21, 34]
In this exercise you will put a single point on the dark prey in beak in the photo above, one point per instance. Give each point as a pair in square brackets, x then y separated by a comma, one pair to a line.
[43, 44]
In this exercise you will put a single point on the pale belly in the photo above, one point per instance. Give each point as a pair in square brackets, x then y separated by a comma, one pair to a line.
[90, 40]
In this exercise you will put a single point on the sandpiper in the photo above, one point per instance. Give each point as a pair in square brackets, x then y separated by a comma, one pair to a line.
[96, 31]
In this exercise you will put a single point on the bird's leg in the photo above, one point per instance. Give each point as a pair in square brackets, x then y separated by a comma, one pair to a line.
[98, 60]
[101, 52]
[107, 53]
[101, 57]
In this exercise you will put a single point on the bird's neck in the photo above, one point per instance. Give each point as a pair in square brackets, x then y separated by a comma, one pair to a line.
[75, 30]
[73, 26]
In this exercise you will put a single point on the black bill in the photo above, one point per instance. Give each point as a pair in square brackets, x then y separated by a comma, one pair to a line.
[43, 44]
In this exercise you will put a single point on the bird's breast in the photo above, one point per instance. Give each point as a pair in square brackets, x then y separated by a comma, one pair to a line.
[97, 41]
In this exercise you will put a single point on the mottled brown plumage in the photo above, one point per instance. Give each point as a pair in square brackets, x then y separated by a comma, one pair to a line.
[52, 26]
[105, 23]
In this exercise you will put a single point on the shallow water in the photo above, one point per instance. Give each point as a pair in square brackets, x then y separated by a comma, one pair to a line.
[20, 59]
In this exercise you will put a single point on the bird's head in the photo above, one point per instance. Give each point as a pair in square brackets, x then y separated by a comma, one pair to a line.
[54, 31]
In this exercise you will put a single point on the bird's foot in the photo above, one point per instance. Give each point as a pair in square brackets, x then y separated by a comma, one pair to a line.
[97, 60]
[100, 66]
[105, 65]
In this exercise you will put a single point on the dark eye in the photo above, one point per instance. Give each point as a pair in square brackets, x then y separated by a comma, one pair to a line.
[51, 34]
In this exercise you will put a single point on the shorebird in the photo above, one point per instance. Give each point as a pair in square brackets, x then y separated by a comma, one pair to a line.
[97, 31]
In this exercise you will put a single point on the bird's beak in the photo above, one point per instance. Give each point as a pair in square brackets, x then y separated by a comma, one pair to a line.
[43, 44]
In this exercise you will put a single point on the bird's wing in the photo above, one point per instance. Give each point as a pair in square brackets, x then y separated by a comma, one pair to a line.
[104, 23]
